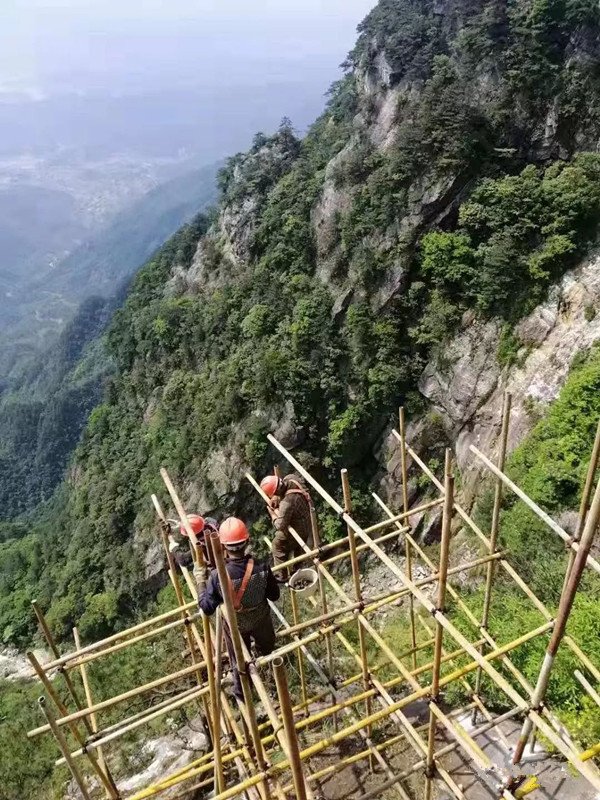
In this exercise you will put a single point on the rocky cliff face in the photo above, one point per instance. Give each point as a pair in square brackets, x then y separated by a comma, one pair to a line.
[464, 383]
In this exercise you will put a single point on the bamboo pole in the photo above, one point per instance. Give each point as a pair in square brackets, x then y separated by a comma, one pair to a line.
[287, 716]
[301, 672]
[93, 720]
[564, 609]
[358, 594]
[316, 533]
[407, 547]
[439, 631]
[196, 549]
[239, 657]
[59, 736]
[91, 648]
[219, 777]
[588, 687]
[211, 721]
[53, 646]
[120, 698]
[585, 499]
[554, 526]
[489, 577]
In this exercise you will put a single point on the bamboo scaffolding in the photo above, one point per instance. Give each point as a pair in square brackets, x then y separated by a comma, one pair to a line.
[405, 674]
[508, 568]
[564, 609]
[264, 754]
[506, 687]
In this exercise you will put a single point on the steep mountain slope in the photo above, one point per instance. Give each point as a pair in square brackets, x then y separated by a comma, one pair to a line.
[424, 199]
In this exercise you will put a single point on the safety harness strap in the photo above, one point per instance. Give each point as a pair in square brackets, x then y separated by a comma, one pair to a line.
[238, 593]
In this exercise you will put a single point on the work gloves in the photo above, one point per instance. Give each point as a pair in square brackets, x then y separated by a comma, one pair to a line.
[200, 578]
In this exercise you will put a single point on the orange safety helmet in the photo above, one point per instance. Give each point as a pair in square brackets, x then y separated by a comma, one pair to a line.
[233, 532]
[270, 485]
[196, 524]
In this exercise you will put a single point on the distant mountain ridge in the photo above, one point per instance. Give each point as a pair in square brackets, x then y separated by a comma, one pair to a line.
[37, 312]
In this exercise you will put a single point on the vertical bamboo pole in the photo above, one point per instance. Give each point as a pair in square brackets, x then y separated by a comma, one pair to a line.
[287, 716]
[300, 657]
[62, 743]
[358, 594]
[106, 779]
[323, 597]
[90, 702]
[218, 772]
[585, 500]
[196, 549]
[173, 574]
[564, 609]
[491, 567]
[51, 692]
[407, 547]
[239, 657]
[63, 670]
[439, 630]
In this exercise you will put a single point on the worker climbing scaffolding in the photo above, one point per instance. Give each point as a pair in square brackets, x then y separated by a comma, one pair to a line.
[290, 505]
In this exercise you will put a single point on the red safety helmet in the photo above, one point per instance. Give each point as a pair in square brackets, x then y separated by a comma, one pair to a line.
[270, 485]
[233, 532]
[196, 523]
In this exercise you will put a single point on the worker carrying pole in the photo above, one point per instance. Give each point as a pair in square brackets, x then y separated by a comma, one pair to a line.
[291, 506]
[252, 586]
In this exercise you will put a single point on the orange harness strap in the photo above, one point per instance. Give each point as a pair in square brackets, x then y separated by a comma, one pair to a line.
[239, 593]
[300, 490]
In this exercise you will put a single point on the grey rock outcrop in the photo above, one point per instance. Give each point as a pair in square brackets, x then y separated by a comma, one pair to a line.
[465, 382]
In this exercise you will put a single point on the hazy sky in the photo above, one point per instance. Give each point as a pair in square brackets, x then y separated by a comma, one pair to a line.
[128, 44]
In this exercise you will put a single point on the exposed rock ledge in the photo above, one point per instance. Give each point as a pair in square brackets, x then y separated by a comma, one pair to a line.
[465, 383]
[14, 666]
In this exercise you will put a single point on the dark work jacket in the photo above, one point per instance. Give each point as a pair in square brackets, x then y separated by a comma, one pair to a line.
[261, 588]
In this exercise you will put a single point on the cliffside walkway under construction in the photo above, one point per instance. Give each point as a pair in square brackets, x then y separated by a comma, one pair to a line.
[282, 751]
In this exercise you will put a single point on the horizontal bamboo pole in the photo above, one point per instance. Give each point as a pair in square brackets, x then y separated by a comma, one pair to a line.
[94, 743]
[326, 548]
[116, 637]
[120, 698]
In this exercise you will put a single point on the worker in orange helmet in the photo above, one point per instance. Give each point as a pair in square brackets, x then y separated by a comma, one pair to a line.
[252, 585]
[290, 505]
[178, 538]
